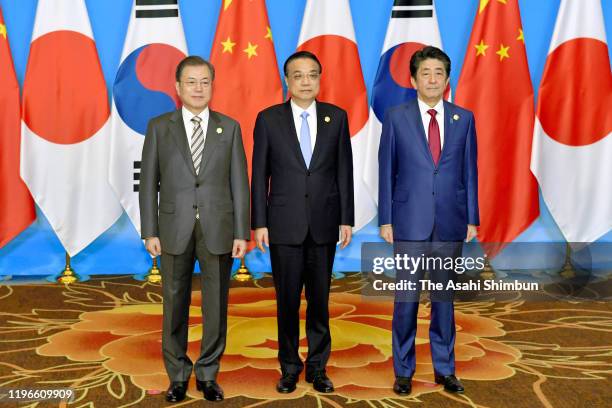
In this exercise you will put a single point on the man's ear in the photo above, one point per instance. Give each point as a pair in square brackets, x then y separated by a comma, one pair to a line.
[413, 82]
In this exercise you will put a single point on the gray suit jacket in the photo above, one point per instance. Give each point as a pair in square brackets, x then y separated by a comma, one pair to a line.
[220, 191]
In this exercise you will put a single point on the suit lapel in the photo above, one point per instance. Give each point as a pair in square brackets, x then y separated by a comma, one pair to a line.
[177, 129]
[290, 133]
[322, 128]
[212, 139]
[448, 126]
[414, 119]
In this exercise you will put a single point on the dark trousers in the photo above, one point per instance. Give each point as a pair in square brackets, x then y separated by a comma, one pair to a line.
[406, 306]
[307, 265]
[177, 272]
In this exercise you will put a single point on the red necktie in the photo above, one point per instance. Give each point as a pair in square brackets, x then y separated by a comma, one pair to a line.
[433, 136]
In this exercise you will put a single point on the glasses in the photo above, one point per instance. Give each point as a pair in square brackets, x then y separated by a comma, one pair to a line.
[192, 83]
[298, 76]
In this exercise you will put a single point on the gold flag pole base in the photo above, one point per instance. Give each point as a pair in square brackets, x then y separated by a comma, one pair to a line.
[154, 276]
[243, 274]
[68, 276]
[567, 272]
[487, 273]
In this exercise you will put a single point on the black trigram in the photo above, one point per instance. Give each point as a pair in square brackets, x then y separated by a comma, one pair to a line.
[151, 9]
[417, 9]
[137, 177]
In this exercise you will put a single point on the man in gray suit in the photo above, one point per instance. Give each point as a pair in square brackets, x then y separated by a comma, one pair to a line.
[196, 159]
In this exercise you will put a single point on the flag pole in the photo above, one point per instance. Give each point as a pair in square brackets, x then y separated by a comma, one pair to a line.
[154, 276]
[68, 276]
[487, 272]
[567, 271]
[243, 274]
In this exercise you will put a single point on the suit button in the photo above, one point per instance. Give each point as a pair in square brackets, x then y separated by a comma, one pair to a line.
[197, 185]
[306, 195]
[308, 173]
[195, 206]
[436, 171]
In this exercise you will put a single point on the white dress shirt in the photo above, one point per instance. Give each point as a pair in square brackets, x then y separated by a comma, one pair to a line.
[189, 125]
[312, 121]
[426, 118]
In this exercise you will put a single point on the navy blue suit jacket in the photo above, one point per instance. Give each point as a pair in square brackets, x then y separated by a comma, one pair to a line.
[414, 194]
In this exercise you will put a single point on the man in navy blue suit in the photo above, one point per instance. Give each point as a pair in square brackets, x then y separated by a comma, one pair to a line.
[428, 194]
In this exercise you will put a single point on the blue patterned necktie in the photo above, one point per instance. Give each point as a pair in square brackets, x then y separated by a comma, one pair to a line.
[305, 144]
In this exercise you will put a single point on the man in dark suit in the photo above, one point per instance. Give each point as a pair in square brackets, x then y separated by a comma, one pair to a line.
[196, 158]
[302, 189]
[428, 193]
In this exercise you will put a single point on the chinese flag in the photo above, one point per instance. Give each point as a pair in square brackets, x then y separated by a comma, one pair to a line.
[246, 74]
[16, 205]
[495, 85]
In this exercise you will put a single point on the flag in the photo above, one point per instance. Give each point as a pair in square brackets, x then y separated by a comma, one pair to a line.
[65, 127]
[245, 67]
[572, 141]
[247, 79]
[495, 85]
[144, 88]
[412, 26]
[327, 31]
[16, 205]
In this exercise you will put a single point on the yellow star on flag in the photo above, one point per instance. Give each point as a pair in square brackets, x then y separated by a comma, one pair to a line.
[268, 33]
[226, 4]
[3, 30]
[481, 48]
[485, 3]
[251, 50]
[503, 52]
[228, 45]
[521, 37]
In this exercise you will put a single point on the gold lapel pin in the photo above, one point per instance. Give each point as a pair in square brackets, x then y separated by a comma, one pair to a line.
[219, 130]
[455, 117]
[327, 119]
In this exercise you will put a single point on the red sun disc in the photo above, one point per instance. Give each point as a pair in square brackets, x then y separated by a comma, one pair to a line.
[64, 96]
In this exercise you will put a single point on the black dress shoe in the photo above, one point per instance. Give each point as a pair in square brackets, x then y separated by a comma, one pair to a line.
[287, 383]
[320, 382]
[402, 385]
[212, 391]
[176, 392]
[450, 382]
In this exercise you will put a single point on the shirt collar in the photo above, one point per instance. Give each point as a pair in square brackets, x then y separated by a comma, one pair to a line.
[423, 107]
[297, 111]
[187, 115]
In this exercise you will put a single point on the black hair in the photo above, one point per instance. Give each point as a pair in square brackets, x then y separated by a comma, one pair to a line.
[193, 61]
[429, 52]
[302, 54]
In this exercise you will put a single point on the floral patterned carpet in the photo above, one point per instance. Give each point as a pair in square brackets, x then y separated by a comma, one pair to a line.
[103, 339]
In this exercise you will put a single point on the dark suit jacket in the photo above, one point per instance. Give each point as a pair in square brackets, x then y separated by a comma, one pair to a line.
[220, 191]
[290, 199]
[414, 194]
